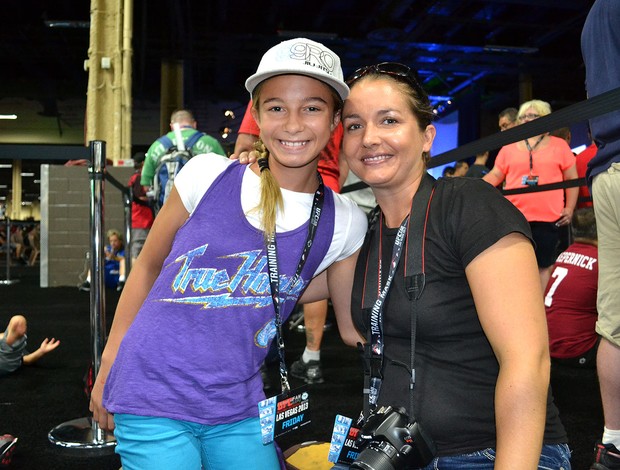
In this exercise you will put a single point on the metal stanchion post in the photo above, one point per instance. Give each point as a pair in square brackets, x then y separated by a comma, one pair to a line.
[84, 433]
[127, 197]
[8, 280]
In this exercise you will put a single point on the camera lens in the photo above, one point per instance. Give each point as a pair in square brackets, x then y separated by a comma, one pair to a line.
[377, 456]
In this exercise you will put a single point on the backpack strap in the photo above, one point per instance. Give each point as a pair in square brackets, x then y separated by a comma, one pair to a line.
[189, 142]
[192, 139]
[165, 141]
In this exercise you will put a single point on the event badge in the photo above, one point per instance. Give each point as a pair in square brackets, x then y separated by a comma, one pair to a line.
[284, 413]
[529, 180]
[343, 448]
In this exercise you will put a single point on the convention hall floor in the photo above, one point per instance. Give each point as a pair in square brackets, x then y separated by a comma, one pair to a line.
[36, 399]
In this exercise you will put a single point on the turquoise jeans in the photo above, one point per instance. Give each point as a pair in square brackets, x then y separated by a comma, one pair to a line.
[162, 444]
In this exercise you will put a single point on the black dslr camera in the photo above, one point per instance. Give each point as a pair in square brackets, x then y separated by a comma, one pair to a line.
[390, 442]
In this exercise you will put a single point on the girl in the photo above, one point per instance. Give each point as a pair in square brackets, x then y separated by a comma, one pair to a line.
[180, 371]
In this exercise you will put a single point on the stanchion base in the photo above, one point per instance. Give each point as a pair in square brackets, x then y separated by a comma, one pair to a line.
[9, 281]
[78, 434]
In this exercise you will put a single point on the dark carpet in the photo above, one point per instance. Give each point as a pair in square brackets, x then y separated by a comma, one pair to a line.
[36, 399]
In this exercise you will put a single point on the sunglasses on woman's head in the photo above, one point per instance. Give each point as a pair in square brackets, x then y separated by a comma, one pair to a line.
[393, 69]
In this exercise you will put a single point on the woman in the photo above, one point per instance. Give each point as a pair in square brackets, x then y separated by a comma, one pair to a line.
[180, 371]
[541, 159]
[481, 345]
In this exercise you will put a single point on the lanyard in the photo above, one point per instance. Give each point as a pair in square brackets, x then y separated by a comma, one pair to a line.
[531, 149]
[376, 314]
[274, 276]
[412, 229]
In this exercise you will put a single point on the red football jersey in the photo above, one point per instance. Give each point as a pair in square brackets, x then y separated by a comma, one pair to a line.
[570, 301]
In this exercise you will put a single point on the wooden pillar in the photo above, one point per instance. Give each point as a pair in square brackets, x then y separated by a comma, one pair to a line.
[171, 91]
[126, 97]
[108, 104]
[16, 199]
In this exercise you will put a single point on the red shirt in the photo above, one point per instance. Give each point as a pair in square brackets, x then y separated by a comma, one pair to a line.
[582, 166]
[141, 215]
[548, 163]
[570, 301]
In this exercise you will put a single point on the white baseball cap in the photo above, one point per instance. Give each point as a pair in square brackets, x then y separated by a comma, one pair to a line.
[301, 56]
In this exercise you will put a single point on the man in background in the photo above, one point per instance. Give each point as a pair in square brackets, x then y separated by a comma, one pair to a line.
[185, 119]
[600, 45]
[479, 168]
[507, 119]
[461, 168]
[570, 296]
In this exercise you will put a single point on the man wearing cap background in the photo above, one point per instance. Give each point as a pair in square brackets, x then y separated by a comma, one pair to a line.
[600, 46]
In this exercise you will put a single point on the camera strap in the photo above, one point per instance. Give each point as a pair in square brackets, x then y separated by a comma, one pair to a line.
[413, 228]
[274, 276]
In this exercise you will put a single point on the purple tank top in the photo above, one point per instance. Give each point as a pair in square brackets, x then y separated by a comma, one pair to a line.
[195, 348]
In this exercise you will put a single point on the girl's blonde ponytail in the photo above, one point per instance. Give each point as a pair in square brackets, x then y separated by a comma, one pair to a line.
[270, 194]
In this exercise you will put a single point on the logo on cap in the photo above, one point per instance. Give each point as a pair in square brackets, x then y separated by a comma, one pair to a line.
[314, 56]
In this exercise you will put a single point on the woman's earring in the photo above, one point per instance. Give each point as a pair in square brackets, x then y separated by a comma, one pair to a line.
[426, 157]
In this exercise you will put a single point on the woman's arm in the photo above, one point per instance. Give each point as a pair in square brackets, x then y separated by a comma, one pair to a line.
[570, 195]
[143, 274]
[245, 143]
[506, 288]
[494, 177]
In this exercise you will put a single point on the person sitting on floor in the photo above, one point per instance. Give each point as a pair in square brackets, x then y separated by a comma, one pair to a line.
[13, 351]
[114, 265]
